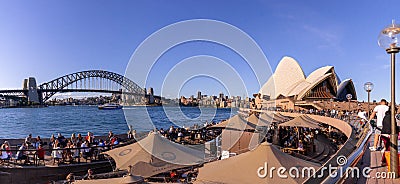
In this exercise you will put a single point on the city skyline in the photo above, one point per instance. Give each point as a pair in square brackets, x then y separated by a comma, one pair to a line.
[48, 39]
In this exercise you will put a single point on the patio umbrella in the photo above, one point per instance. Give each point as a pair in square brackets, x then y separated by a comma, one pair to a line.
[243, 168]
[158, 152]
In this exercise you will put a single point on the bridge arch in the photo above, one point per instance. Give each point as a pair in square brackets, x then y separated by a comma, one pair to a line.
[48, 89]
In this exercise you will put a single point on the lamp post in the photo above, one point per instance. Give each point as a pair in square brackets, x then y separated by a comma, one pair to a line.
[349, 97]
[368, 87]
[389, 40]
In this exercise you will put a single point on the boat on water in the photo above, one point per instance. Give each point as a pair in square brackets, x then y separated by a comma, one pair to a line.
[110, 106]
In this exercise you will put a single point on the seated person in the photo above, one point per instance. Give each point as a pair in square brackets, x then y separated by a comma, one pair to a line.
[114, 141]
[301, 146]
[61, 140]
[89, 175]
[38, 142]
[68, 152]
[70, 178]
[4, 155]
[57, 153]
[7, 148]
[86, 149]
[21, 154]
[89, 138]
[28, 140]
[75, 151]
[101, 145]
[40, 152]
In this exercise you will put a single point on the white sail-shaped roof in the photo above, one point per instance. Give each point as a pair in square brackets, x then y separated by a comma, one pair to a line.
[289, 80]
[287, 73]
[343, 85]
[316, 74]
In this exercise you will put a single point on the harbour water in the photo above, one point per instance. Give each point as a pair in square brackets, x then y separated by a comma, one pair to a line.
[19, 122]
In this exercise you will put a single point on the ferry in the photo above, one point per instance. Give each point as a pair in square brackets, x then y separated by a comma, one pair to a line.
[110, 106]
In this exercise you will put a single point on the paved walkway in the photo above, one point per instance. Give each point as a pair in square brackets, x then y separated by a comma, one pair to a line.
[373, 161]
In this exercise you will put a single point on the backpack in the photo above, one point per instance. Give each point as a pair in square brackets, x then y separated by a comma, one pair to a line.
[386, 129]
[386, 126]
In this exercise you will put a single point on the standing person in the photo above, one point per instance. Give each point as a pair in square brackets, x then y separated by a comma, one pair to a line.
[110, 135]
[28, 140]
[379, 111]
[130, 132]
[362, 114]
[38, 142]
[21, 154]
[89, 138]
[73, 138]
[40, 152]
[61, 140]
[79, 140]
[52, 140]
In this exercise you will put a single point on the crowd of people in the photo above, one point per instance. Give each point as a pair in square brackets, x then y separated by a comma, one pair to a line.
[192, 135]
[60, 148]
[296, 137]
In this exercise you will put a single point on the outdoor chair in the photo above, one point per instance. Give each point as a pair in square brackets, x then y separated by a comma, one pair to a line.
[87, 155]
[41, 159]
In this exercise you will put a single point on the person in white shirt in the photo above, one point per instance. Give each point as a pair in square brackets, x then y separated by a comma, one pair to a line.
[362, 114]
[379, 111]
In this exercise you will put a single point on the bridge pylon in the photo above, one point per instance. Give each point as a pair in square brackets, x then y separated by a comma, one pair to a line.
[32, 91]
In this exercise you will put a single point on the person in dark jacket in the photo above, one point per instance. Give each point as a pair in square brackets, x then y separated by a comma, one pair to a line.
[385, 133]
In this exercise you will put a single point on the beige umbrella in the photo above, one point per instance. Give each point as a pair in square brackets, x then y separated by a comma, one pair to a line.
[280, 116]
[271, 117]
[155, 167]
[253, 119]
[157, 151]
[308, 118]
[300, 121]
[238, 135]
[267, 117]
[236, 123]
[245, 167]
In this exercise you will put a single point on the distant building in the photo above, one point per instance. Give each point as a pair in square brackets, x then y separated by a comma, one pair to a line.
[221, 96]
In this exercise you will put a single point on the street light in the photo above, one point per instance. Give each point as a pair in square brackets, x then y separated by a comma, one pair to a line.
[349, 97]
[389, 40]
[368, 87]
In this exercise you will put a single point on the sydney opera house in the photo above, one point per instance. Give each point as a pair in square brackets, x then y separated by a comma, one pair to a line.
[289, 88]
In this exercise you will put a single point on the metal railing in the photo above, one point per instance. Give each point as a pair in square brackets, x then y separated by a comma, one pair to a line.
[352, 159]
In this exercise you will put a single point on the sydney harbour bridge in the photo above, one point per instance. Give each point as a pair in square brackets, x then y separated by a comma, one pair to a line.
[98, 81]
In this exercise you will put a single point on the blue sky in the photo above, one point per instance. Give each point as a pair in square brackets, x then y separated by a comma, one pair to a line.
[47, 39]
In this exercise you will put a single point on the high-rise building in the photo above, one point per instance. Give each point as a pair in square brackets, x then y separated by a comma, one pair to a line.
[221, 96]
[198, 95]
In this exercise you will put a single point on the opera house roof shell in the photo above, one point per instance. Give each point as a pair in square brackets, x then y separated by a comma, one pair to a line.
[289, 80]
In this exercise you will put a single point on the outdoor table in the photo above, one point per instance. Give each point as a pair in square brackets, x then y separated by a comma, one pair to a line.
[31, 155]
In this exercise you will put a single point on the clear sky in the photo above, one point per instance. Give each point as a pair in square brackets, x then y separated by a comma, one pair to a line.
[47, 39]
